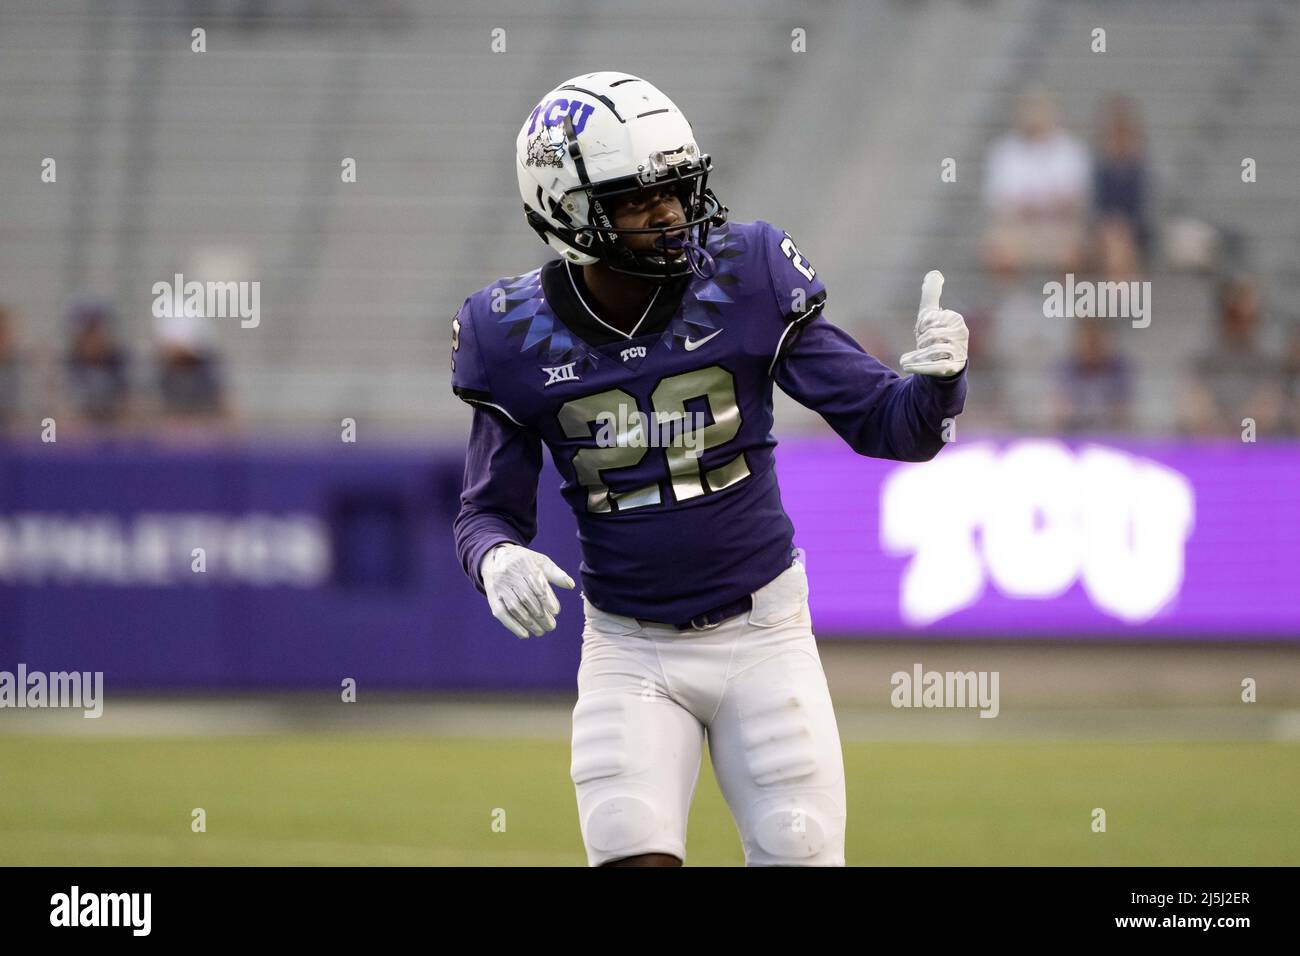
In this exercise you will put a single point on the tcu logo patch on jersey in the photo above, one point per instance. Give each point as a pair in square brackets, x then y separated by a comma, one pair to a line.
[560, 373]
[636, 351]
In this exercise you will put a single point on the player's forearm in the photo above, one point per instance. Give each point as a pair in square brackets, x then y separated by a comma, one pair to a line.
[495, 507]
[877, 412]
[930, 403]
[903, 418]
[477, 533]
[499, 500]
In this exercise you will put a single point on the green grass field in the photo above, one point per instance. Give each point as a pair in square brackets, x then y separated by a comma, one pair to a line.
[351, 799]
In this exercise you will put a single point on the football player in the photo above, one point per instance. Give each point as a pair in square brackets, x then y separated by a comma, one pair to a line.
[644, 358]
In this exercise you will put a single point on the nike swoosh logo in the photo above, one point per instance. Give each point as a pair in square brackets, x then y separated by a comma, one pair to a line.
[692, 346]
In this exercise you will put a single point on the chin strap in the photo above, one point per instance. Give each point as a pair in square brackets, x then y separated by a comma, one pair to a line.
[697, 257]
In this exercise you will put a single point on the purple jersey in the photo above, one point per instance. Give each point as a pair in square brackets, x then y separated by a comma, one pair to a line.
[664, 438]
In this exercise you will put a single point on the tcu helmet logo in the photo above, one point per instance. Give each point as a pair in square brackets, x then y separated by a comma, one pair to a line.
[546, 148]
[552, 113]
[560, 373]
[636, 351]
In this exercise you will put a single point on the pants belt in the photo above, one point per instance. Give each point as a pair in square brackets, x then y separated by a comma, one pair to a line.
[711, 619]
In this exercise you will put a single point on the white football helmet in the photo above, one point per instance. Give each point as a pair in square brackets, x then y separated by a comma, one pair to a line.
[608, 134]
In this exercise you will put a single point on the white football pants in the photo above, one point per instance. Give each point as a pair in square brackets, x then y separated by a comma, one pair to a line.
[648, 694]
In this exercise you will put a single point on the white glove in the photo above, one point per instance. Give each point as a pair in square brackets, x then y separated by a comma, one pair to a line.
[518, 585]
[941, 334]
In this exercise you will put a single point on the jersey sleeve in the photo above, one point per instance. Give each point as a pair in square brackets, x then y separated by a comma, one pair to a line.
[469, 378]
[797, 290]
[469, 362]
[878, 412]
[498, 501]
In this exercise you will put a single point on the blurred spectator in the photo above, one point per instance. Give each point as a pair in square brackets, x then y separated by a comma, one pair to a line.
[1236, 379]
[10, 395]
[1095, 384]
[1123, 234]
[189, 370]
[96, 366]
[1036, 189]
